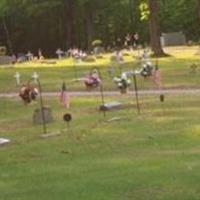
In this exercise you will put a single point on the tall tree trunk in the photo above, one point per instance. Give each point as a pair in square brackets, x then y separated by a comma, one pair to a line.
[89, 16]
[70, 11]
[131, 13]
[9, 43]
[198, 7]
[136, 18]
[155, 29]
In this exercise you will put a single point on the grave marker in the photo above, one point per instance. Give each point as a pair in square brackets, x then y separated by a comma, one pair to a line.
[4, 141]
[35, 77]
[17, 77]
[67, 118]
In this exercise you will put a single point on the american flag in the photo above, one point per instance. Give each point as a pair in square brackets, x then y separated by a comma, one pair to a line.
[64, 96]
[157, 78]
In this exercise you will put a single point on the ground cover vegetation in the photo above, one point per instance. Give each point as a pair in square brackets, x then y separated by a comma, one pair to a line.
[176, 71]
[154, 155]
[119, 155]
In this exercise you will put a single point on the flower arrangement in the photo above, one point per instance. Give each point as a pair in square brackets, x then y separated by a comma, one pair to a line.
[123, 82]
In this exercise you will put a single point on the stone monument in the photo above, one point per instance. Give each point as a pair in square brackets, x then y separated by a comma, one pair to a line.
[173, 39]
[38, 116]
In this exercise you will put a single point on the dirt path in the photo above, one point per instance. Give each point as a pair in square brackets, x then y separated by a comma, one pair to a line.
[115, 93]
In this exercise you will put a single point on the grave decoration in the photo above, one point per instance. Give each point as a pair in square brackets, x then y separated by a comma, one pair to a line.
[92, 80]
[111, 71]
[28, 93]
[147, 69]
[145, 55]
[17, 77]
[4, 141]
[67, 118]
[29, 56]
[162, 98]
[60, 53]
[123, 82]
[136, 93]
[65, 96]
[193, 68]
[35, 77]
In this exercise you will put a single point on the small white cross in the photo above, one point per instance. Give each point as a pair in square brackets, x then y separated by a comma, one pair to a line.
[35, 77]
[17, 77]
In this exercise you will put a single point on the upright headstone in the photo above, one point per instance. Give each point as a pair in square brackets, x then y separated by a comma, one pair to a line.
[38, 116]
[17, 77]
[173, 39]
[35, 77]
[6, 60]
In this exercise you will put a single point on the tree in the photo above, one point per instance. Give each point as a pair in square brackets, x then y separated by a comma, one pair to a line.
[154, 29]
[198, 7]
[49, 24]
[70, 10]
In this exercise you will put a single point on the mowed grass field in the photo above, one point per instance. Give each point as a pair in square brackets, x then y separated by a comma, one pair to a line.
[176, 71]
[154, 155]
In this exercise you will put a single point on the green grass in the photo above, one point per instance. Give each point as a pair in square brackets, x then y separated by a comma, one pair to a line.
[154, 155]
[175, 71]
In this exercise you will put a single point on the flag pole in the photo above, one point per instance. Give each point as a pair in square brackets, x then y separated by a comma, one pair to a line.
[64, 97]
[102, 93]
[136, 93]
[42, 107]
[75, 69]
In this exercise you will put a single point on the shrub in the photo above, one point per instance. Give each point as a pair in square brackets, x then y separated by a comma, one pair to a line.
[3, 50]
[99, 57]
[96, 43]
[89, 59]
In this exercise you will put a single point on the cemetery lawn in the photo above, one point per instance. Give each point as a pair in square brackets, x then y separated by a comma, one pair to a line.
[154, 155]
[176, 71]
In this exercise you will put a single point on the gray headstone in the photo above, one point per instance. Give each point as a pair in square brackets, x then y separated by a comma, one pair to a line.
[6, 60]
[38, 117]
[4, 141]
[173, 39]
[110, 106]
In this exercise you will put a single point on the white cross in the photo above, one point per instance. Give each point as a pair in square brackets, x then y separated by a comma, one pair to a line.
[35, 77]
[17, 77]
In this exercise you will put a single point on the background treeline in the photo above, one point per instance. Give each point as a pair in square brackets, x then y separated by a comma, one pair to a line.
[50, 24]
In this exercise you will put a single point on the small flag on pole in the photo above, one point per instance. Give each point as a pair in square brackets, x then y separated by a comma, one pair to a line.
[64, 96]
[157, 78]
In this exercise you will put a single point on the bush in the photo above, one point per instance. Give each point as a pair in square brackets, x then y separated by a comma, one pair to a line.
[113, 58]
[89, 59]
[3, 50]
[96, 43]
[99, 57]
[126, 54]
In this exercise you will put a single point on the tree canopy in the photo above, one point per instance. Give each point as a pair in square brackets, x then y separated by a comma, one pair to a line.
[50, 24]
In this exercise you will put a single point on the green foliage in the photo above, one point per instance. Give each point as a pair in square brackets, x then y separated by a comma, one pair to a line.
[151, 156]
[50, 24]
[97, 43]
[144, 10]
[180, 16]
[89, 59]
[3, 50]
